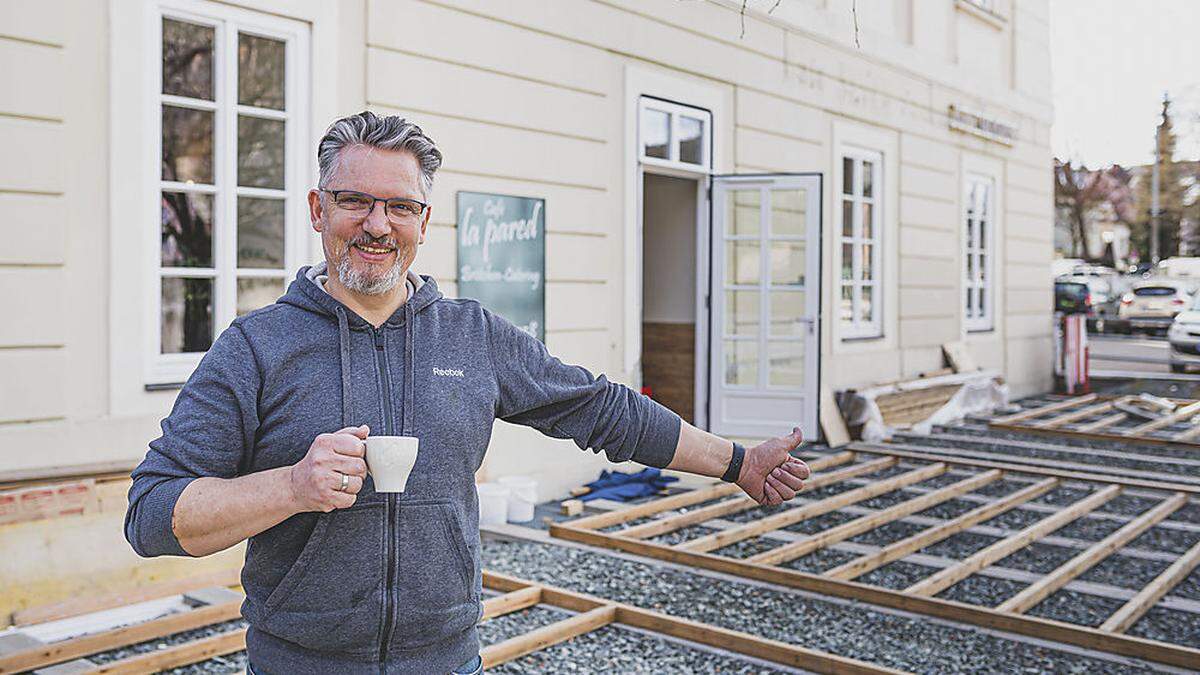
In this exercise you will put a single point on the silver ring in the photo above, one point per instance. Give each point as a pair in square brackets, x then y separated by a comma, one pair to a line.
[345, 482]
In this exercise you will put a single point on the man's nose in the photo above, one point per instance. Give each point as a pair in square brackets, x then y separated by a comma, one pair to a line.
[376, 223]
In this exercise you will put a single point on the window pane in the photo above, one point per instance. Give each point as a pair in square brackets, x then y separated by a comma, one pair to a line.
[691, 140]
[868, 178]
[867, 262]
[981, 266]
[187, 59]
[847, 261]
[864, 304]
[742, 212]
[971, 260]
[970, 232]
[970, 302]
[787, 307]
[741, 313]
[261, 67]
[656, 133]
[255, 293]
[742, 262]
[787, 262]
[847, 218]
[983, 296]
[847, 176]
[982, 236]
[260, 152]
[788, 213]
[846, 308]
[187, 307]
[187, 145]
[187, 230]
[741, 362]
[868, 214]
[786, 363]
[260, 233]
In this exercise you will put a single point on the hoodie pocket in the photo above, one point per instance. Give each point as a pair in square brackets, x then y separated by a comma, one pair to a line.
[436, 594]
[332, 597]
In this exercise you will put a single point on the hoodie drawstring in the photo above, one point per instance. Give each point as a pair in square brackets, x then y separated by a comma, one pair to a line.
[344, 348]
[411, 369]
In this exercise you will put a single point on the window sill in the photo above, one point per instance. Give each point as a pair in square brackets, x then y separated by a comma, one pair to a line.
[991, 18]
[862, 338]
[981, 331]
[164, 386]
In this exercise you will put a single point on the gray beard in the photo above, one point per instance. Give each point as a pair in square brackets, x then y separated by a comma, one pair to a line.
[354, 280]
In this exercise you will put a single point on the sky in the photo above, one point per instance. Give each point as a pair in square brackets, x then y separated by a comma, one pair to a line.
[1112, 60]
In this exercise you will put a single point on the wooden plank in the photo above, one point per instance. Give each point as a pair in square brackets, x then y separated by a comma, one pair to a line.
[1037, 412]
[1045, 629]
[857, 526]
[832, 423]
[655, 528]
[66, 650]
[881, 449]
[1141, 603]
[784, 518]
[897, 550]
[560, 631]
[958, 355]
[1031, 595]
[1185, 436]
[1072, 415]
[602, 520]
[178, 655]
[952, 575]
[511, 602]
[1102, 423]
[1178, 416]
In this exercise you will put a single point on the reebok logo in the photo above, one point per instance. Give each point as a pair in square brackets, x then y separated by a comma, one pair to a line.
[447, 372]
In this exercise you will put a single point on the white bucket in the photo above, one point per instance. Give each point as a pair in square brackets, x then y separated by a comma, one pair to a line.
[493, 503]
[521, 499]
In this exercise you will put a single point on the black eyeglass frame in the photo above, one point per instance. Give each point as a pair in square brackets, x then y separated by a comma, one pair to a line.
[374, 199]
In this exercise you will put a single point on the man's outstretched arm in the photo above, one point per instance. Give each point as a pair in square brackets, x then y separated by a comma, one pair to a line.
[769, 474]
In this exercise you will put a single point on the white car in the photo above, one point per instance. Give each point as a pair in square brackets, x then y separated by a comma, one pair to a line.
[1152, 304]
[1184, 336]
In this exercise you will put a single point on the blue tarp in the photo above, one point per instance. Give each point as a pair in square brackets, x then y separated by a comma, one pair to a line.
[625, 486]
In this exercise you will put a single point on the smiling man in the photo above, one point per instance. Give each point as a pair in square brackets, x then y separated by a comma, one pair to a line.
[266, 439]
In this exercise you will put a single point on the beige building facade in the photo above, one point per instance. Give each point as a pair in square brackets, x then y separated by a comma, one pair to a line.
[734, 216]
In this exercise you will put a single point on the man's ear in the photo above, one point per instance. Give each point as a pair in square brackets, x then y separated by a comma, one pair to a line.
[315, 209]
[424, 224]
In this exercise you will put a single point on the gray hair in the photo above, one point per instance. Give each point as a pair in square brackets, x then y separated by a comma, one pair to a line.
[387, 133]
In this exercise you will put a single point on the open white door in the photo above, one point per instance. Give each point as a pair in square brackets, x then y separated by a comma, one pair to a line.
[765, 298]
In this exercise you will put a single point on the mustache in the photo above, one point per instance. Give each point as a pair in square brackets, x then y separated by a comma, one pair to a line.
[388, 242]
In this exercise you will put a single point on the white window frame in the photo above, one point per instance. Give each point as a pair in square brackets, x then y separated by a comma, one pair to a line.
[856, 329]
[167, 369]
[675, 111]
[979, 322]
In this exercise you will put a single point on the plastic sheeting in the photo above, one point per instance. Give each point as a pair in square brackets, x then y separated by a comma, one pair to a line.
[981, 392]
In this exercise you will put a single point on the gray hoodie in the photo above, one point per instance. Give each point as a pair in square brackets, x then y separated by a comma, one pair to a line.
[393, 583]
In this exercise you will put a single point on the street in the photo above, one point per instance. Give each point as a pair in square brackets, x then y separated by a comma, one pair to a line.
[1134, 353]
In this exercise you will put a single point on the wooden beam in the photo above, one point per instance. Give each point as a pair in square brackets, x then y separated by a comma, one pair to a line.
[511, 602]
[1141, 603]
[784, 518]
[1072, 415]
[1187, 436]
[738, 504]
[1031, 595]
[1183, 413]
[803, 547]
[546, 636]
[84, 645]
[897, 550]
[1042, 410]
[1046, 629]
[1007, 465]
[1102, 423]
[178, 655]
[952, 575]
[602, 520]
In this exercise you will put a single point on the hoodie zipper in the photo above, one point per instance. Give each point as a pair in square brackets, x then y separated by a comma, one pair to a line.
[389, 427]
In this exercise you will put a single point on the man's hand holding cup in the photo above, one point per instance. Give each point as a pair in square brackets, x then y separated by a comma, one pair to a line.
[332, 472]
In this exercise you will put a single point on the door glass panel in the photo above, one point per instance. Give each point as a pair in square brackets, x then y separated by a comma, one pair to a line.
[691, 140]
[261, 66]
[866, 261]
[741, 362]
[868, 178]
[187, 237]
[846, 308]
[742, 262]
[187, 315]
[787, 213]
[656, 133]
[786, 363]
[260, 233]
[847, 261]
[253, 293]
[847, 218]
[187, 59]
[864, 304]
[787, 262]
[187, 145]
[741, 313]
[868, 228]
[260, 152]
[742, 212]
[847, 176]
[787, 308]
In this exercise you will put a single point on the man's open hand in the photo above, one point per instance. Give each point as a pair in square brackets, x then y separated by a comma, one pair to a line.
[317, 479]
[770, 475]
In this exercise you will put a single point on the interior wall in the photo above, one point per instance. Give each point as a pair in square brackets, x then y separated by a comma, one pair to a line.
[669, 249]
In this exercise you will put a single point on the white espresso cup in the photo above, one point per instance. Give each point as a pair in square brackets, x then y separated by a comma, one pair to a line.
[390, 460]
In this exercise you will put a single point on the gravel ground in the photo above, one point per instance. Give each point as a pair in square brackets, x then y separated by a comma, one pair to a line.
[1001, 488]
[748, 547]
[615, 650]
[230, 663]
[1063, 496]
[1016, 519]
[1129, 505]
[1188, 514]
[1089, 529]
[888, 533]
[1124, 571]
[1078, 608]
[897, 576]
[501, 628]
[164, 642]
[1169, 625]
[980, 590]
[1162, 539]
[850, 630]
[682, 535]
[961, 545]
[998, 436]
[820, 523]
[820, 560]
[1038, 557]
[949, 510]
[1189, 587]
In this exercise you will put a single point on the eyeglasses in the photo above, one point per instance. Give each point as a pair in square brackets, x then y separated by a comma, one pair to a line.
[398, 209]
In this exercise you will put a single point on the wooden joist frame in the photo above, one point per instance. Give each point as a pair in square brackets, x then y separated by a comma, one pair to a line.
[1052, 419]
[920, 597]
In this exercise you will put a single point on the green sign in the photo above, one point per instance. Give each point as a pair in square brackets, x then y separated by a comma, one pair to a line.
[502, 257]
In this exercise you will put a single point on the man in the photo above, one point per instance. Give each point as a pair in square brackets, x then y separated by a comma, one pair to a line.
[266, 439]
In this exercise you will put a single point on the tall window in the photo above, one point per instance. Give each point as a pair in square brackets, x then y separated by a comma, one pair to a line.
[979, 196]
[861, 233]
[229, 101]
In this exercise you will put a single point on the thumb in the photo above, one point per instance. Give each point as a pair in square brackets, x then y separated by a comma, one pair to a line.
[796, 437]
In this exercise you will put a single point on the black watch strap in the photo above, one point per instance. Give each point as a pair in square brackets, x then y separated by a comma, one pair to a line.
[735, 464]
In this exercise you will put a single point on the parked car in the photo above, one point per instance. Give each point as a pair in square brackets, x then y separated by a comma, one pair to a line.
[1072, 297]
[1103, 298]
[1152, 304]
[1184, 335]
